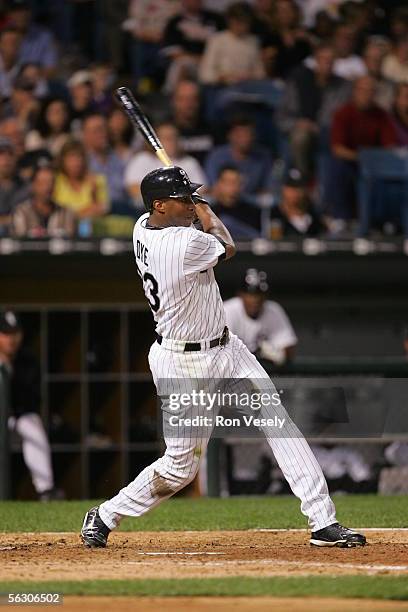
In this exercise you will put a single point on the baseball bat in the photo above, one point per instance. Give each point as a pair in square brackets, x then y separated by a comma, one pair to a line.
[141, 122]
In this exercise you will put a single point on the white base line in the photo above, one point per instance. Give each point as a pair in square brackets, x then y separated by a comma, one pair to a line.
[179, 553]
[274, 562]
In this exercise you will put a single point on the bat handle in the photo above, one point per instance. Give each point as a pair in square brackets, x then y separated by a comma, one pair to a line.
[164, 158]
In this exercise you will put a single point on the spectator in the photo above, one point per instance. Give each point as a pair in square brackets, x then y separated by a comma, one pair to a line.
[13, 130]
[38, 44]
[264, 16]
[395, 66]
[23, 371]
[311, 8]
[348, 65]
[120, 134]
[260, 323]
[400, 114]
[39, 216]
[253, 161]
[399, 23]
[102, 78]
[360, 16]
[33, 73]
[373, 56]
[80, 91]
[32, 160]
[288, 40]
[101, 157]
[242, 218]
[359, 123]
[219, 65]
[146, 23]
[51, 130]
[196, 138]
[295, 214]
[311, 97]
[10, 42]
[146, 161]
[23, 104]
[323, 28]
[112, 15]
[12, 189]
[184, 40]
[76, 188]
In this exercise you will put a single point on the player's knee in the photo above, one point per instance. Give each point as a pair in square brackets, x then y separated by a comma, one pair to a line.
[175, 475]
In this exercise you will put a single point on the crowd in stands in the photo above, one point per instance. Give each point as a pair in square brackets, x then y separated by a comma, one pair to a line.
[268, 103]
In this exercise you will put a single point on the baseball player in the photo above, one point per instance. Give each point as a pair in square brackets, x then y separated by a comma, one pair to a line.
[261, 324]
[23, 373]
[176, 263]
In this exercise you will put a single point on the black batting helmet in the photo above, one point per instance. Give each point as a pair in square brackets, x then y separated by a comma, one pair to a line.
[171, 182]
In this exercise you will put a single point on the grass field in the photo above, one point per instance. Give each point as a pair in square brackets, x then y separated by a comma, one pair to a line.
[211, 518]
[209, 514]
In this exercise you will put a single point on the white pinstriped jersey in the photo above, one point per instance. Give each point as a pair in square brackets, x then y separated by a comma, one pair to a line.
[176, 267]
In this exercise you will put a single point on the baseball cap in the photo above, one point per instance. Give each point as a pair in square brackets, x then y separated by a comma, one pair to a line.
[295, 178]
[80, 77]
[6, 145]
[9, 322]
[255, 281]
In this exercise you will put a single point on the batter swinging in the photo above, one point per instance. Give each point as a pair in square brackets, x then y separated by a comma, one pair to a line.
[175, 261]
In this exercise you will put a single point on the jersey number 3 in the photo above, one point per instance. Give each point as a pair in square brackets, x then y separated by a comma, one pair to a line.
[152, 290]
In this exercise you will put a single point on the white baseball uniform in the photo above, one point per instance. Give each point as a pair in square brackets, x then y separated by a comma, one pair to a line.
[176, 265]
[272, 325]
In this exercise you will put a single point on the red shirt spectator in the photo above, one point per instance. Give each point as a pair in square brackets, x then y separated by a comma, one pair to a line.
[361, 123]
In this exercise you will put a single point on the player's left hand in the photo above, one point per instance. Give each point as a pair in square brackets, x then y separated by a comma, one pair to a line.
[198, 198]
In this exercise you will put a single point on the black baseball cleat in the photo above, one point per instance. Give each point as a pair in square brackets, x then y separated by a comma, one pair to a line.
[337, 535]
[94, 532]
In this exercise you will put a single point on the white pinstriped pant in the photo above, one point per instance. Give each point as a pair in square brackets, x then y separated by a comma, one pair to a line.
[180, 462]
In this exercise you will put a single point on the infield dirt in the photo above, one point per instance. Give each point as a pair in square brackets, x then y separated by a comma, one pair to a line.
[61, 556]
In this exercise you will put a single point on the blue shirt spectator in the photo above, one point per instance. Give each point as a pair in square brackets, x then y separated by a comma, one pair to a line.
[102, 159]
[253, 162]
[113, 168]
[38, 44]
[10, 44]
[242, 219]
[38, 47]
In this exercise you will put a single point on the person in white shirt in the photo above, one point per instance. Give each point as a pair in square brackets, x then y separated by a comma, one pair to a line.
[347, 65]
[232, 55]
[146, 161]
[260, 323]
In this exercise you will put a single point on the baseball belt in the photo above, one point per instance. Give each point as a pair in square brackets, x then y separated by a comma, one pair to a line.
[185, 347]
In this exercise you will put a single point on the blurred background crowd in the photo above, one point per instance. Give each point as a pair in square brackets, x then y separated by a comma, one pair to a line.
[270, 104]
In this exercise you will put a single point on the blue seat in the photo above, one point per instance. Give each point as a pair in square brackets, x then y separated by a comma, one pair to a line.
[383, 174]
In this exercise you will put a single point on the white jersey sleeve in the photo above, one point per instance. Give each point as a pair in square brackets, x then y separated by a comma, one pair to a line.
[203, 252]
[277, 327]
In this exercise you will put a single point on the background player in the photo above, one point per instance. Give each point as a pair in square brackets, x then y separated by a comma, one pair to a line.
[23, 372]
[175, 262]
[261, 324]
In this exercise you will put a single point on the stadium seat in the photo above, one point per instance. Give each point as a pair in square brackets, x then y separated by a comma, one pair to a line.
[383, 175]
